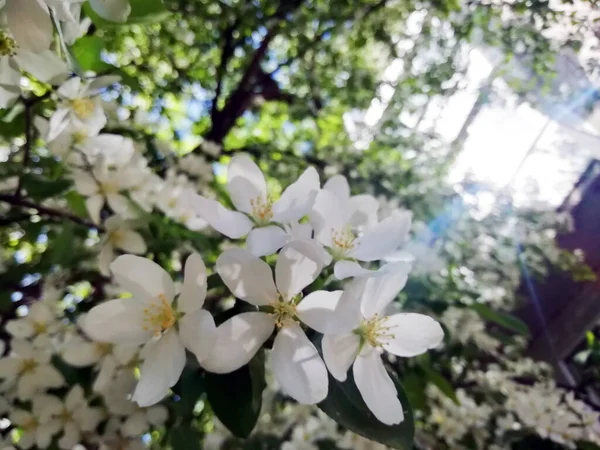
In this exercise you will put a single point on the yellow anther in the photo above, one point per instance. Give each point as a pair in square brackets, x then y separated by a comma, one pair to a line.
[39, 327]
[116, 237]
[103, 348]
[283, 312]
[30, 424]
[159, 316]
[83, 107]
[65, 416]
[27, 365]
[373, 330]
[109, 187]
[79, 137]
[8, 46]
[343, 240]
[262, 210]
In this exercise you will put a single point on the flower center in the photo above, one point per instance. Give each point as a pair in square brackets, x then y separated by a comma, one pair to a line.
[30, 424]
[28, 365]
[65, 416]
[103, 348]
[159, 317]
[343, 240]
[373, 330]
[79, 137]
[83, 107]
[109, 187]
[261, 210]
[116, 237]
[39, 327]
[283, 312]
[8, 46]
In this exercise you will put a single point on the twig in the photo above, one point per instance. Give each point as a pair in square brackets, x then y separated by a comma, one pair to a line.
[44, 210]
[27, 146]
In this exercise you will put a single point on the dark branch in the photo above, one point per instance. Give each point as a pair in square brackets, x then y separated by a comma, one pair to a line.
[227, 53]
[51, 212]
[27, 146]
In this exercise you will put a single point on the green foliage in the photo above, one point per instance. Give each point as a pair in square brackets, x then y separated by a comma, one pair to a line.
[503, 319]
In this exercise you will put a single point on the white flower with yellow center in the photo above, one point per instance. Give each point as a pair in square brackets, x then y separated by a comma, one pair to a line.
[261, 217]
[38, 325]
[150, 317]
[297, 366]
[335, 226]
[356, 331]
[29, 370]
[118, 235]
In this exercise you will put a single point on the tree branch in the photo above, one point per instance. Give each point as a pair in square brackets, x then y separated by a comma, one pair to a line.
[27, 146]
[43, 210]
[226, 54]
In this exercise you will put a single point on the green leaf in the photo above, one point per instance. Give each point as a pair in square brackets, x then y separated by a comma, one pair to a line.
[345, 405]
[441, 383]
[88, 54]
[503, 319]
[142, 11]
[62, 246]
[236, 397]
[40, 188]
[185, 437]
[189, 388]
[76, 203]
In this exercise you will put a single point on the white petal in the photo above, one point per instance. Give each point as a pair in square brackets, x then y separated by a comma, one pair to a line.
[328, 214]
[135, 425]
[157, 415]
[266, 241]
[298, 199]
[117, 321]
[112, 10]
[232, 224]
[70, 89]
[80, 353]
[107, 371]
[382, 239]
[338, 185]
[132, 242]
[299, 264]
[85, 183]
[346, 269]
[46, 66]
[413, 334]
[31, 26]
[119, 204]
[193, 292]
[377, 388]
[75, 398]
[328, 313]
[364, 210]
[247, 277]
[245, 182]
[339, 352]
[238, 340]
[297, 366]
[20, 328]
[382, 288]
[94, 205]
[142, 277]
[163, 364]
[41, 312]
[198, 333]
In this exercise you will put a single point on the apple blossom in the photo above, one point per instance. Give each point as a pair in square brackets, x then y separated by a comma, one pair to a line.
[151, 318]
[297, 366]
[363, 207]
[118, 235]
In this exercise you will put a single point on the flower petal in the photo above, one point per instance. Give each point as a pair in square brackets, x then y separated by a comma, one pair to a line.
[339, 352]
[20, 328]
[298, 198]
[94, 205]
[245, 182]
[132, 242]
[198, 332]
[193, 292]
[364, 211]
[80, 353]
[117, 321]
[328, 313]
[377, 388]
[382, 287]
[297, 366]
[238, 340]
[382, 239]
[163, 364]
[112, 10]
[31, 26]
[328, 214]
[247, 277]
[339, 186]
[45, 66]
[142, 277]
[232, 224]
[266, 241]
[346, 269]
[413, 334]
[299, 264]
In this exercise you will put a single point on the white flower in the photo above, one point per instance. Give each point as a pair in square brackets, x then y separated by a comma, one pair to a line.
[355, 331]
[103, 185]
[261, 215]
[297, 366]
[30, 24]
[39, 324]
[34, 431]
[113, 10]
[333, 220]
[119, 235]
[363, 207]
[150, 318]
[74, 415]
[29, 369]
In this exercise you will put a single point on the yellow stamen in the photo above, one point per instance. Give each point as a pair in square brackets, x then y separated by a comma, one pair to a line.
[83, 107]
[262, 210]
[65, 416]
[159, 317]
[103, 348]
[30, 424]
[8, 46]
[28, 365]
[116, 237]
[343, 240]
[109, 187]
[372, 331]
[283, 312]
[39, 327]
